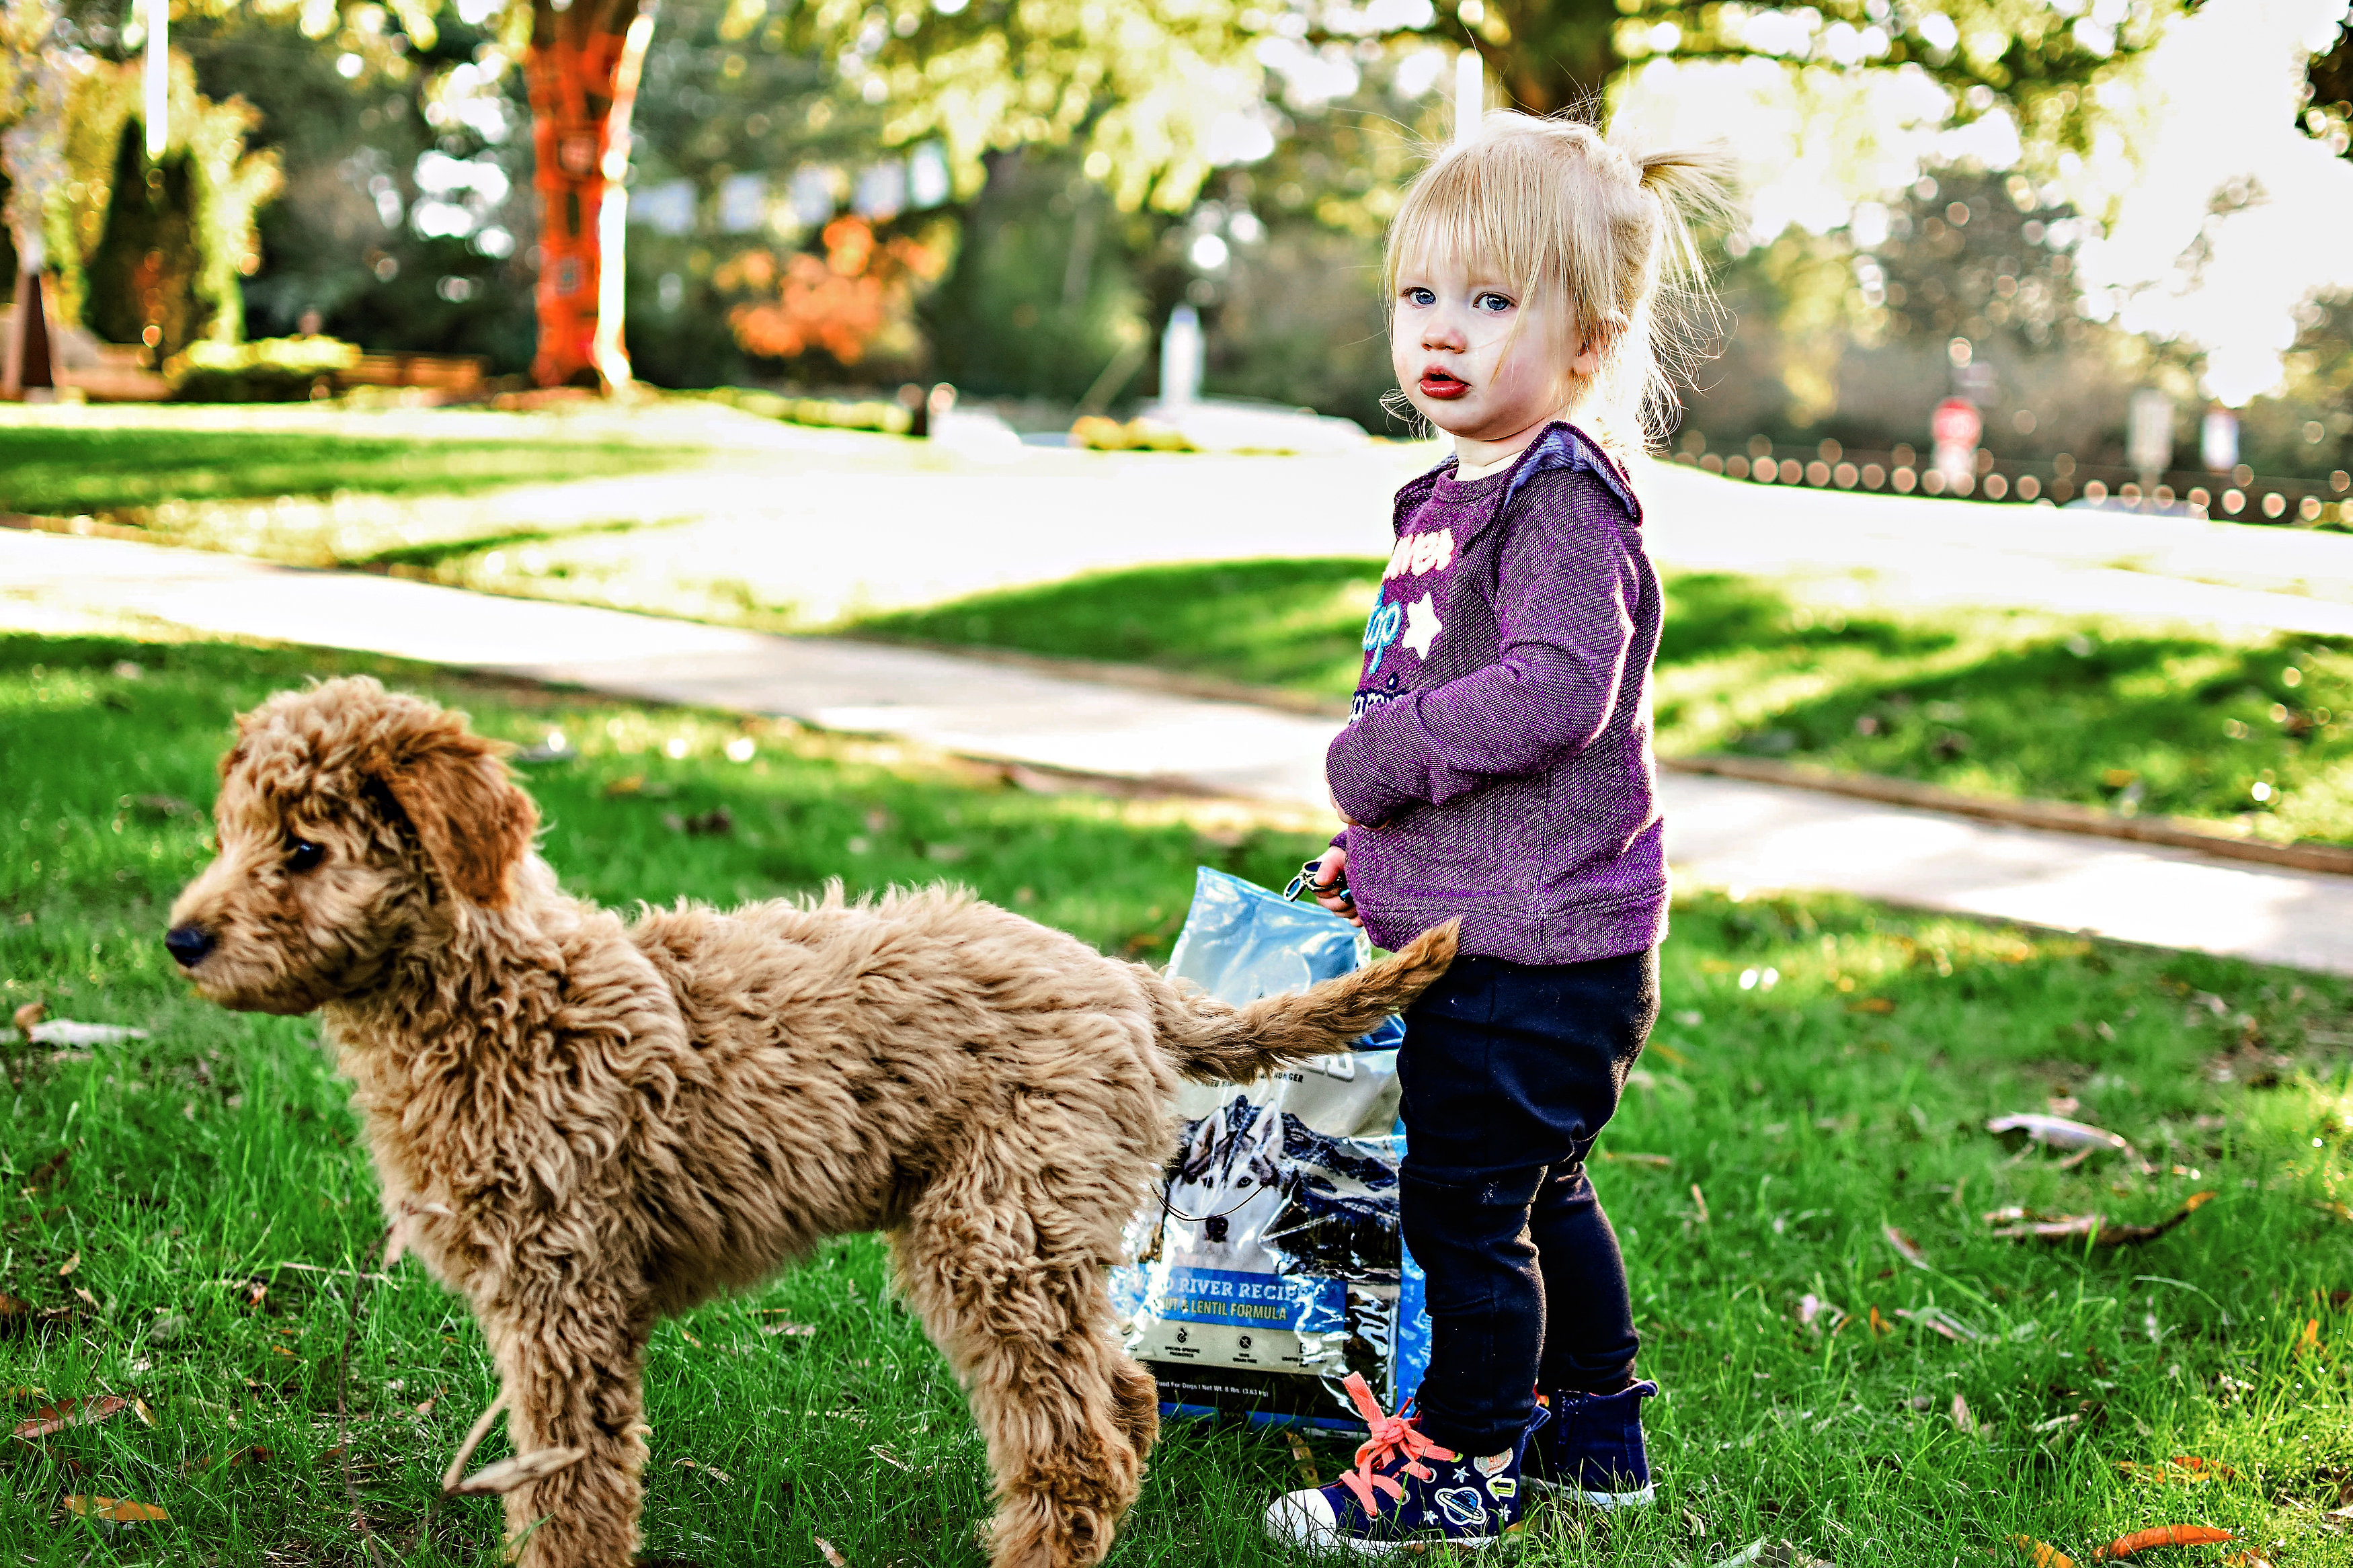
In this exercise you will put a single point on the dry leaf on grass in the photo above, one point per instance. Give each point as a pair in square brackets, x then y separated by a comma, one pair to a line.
[54, 1418]
[25, 1017]
[65, 1269]
[1770, 1553]
[1906, 1247]
[1699, 1202]
[1940, 1322]
[255, 1455]
[2248, 1559]
[2041, 1554]
[713, 1471]
[72, 1033]
[1654, 1161]
[2162, 1535]
[797, 1331]
[1966, 1423]
[2182, 1469]
[113, 1510]
[2059, 1132]
[2019, 1223]
[833, 1559]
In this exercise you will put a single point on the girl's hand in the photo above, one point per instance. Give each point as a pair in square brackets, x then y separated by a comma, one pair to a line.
[1330, 886]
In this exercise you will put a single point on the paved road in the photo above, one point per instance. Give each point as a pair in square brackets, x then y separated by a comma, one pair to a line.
[1720, 831]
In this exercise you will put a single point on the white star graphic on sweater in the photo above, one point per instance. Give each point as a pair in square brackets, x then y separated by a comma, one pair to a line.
[1421, 626]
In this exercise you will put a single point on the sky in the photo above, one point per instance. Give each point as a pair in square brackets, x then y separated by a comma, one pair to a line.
[2216, 105]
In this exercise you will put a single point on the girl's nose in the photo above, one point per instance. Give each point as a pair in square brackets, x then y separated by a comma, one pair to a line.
[1439, 332]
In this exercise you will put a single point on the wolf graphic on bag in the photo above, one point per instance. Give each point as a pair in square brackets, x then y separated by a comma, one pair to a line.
[1271, 1267]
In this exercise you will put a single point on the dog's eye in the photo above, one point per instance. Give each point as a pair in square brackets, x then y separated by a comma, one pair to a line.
[301, 855]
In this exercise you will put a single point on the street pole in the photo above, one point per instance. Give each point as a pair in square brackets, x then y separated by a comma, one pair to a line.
[159, 78]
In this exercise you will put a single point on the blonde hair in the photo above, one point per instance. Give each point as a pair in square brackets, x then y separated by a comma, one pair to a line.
[1603, 228]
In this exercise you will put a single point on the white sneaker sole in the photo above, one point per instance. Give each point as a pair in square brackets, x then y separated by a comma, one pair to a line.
[1303, 1518]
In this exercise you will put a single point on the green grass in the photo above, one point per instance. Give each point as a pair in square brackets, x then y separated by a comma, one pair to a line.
[50, 471]
[1823, 1069]
[2012, 703]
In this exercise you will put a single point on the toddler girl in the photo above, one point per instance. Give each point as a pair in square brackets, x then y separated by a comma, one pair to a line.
[1497, 766]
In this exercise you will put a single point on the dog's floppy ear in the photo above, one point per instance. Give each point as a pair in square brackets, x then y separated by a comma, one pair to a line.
[475, 823]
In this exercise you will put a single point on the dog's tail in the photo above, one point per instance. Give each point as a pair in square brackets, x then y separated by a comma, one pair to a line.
[1215, 1042]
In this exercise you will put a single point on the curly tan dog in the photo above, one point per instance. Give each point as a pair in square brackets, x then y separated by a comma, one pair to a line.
[583, 1125]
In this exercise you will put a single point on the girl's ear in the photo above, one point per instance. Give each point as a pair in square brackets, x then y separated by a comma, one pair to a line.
[1585, 363]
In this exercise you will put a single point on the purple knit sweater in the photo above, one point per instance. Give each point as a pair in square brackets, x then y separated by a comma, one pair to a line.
[1500, 739]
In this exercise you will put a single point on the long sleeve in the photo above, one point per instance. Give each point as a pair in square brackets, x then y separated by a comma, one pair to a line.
[1568, 589]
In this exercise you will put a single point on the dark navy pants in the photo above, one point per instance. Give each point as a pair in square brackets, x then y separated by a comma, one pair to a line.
[1510, 1071]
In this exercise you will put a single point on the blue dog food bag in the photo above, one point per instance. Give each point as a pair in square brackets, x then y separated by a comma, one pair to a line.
[1270, 1266]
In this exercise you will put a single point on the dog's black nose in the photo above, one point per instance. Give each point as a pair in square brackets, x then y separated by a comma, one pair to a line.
[188, 943]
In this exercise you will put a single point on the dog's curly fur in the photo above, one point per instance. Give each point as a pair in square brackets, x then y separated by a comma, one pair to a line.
[583, 1126]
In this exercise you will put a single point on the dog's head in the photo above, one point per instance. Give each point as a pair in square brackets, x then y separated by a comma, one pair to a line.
[348, 817]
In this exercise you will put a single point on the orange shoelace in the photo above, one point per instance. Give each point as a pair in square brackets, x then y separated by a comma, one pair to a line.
[1391, 1435]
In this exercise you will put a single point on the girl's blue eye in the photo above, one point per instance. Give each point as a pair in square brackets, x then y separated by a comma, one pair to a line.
[1421, 297]
[1495, 302]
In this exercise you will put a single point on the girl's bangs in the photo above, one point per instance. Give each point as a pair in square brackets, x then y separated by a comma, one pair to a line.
[1465, 213]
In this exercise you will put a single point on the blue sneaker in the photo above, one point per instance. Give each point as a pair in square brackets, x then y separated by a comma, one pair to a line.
[1591, 1445]
[1405, 1490]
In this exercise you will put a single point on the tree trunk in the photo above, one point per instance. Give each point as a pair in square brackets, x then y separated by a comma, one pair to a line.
[582, 71]
[1562, 54]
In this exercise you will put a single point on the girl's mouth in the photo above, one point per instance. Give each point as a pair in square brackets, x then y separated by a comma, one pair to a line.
[1436, 383]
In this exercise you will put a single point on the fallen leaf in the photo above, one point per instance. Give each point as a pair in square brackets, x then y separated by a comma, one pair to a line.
[2041, 1554]
[23, 1392]
[1699, 1201]
[1906, 1247]
[426, 1408]
[1655, 1161]
[798, 1331]
[2021, 1224]
[1882, 1005]
[30, 1014]
[690, 1338]
[2248, 1559]
[2308, 1340]
[2059, 1132]
[54, 1418]
[15, 1312]
[72, 1032]
[146, 1416]
[1880, 1325]
[1302, 1460]
[69, 1266]
[1967, 1423]
[254, 1455]
[1673, 1056]
[887, 1456]
[713, 1471]
[85, 1295]
[833, 1558]
[1940, 1322]
[2183, 1469]
[2162, 1535]
[113, 1510]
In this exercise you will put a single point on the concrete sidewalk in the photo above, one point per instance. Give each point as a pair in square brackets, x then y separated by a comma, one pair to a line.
[1720, 831]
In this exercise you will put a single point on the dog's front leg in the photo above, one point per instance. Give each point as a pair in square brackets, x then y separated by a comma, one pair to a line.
[571, 1362]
